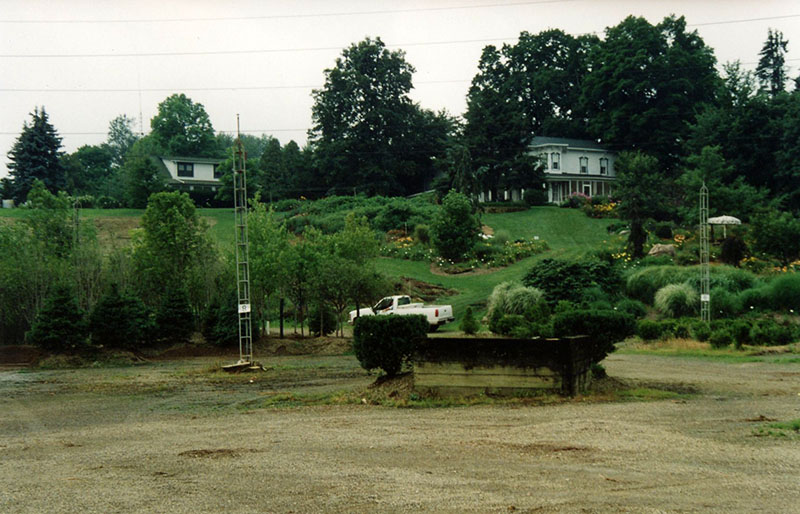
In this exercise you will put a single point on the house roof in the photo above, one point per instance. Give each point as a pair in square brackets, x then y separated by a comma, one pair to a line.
[568, 142]
[198, 160]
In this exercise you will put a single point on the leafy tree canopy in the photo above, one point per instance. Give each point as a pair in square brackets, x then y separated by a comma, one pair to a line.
[367, 132]
[646, 82]
[183, 128]
[121, 138]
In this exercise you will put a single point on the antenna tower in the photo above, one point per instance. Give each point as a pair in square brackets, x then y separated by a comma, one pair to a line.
[705, 275]
[242, 265]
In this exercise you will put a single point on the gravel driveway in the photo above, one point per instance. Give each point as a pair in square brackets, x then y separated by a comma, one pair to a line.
[67, 450]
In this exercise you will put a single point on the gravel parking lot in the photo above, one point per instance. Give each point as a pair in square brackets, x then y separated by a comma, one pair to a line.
[157, 438]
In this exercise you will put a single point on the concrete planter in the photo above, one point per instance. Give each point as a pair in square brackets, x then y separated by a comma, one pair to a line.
[459, 366]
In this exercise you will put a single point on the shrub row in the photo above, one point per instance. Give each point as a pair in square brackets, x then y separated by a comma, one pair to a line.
[766, 331]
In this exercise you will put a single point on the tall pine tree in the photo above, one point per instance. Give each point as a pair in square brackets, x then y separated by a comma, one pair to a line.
[771, 70]
[35, 155]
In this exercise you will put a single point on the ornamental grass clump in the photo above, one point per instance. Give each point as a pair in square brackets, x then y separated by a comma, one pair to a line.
[676, 300]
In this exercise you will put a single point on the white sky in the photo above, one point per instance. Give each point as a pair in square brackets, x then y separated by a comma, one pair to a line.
[268, 55]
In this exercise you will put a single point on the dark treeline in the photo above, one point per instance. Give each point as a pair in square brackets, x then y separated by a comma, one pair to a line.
[648, 88]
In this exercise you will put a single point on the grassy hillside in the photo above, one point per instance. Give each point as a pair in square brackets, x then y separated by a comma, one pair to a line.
[568, 232]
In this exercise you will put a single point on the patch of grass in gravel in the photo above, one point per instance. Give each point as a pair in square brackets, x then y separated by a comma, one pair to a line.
[780, 429]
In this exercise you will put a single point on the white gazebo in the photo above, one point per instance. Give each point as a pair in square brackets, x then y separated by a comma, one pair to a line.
[724, 221]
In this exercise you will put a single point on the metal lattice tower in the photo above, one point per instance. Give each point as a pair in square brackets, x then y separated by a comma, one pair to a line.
[705, 275]
[242, 265]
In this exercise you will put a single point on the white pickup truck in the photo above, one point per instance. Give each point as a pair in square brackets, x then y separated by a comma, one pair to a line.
[401, 305]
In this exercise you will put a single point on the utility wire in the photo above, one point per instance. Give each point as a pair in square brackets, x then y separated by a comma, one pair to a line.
[327, 48]
[289, 16]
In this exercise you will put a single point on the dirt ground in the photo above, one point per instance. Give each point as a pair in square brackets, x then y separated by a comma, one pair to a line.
[176, 436]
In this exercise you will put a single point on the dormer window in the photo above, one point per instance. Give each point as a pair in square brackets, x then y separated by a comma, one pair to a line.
[543, 160]
[604, 166]
[584, 164]
[555, 157]
[185, 169]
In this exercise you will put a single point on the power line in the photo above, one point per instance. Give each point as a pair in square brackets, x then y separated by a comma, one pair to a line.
[290, 16]
[221, 88]
[242, 52]
[336, 48]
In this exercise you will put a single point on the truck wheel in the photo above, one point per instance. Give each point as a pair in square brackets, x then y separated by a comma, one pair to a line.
[433, 328]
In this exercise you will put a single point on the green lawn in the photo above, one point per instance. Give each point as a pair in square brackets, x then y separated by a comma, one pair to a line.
[568, 232]
[565, 230]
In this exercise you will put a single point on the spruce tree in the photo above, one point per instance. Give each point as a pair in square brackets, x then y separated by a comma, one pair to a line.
[61, 325]
[119, 321]
[35, 155]
[771, 70]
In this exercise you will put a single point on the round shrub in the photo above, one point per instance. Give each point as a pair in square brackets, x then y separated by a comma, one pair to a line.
[663, 231]
[604, 327]
[682, 329]
[634, 308]
[733, 250]
[740, 330]
[388, 342]
[754, 300]
[701, 331]
[648, 330]
[784, 293]
[676, 300]
[724, 304]
[508, 323]
[538, 313]
[720, 338]
[769, 332]
[511, 298]
[321, 321]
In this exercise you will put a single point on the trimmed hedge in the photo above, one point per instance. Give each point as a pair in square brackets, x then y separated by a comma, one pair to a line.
[388, 342]
[605, 327]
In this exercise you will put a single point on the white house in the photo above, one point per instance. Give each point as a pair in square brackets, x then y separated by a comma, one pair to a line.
[191, 173]
[570, 166]
[574, 166]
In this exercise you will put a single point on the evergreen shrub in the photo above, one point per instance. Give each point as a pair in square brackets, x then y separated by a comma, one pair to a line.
[324, 326]
[720, 338]
[388, 342]
[649, 330]
[604, 327]
[469, 325]
[784, 293]
[733, 250]
[174, 318]
[632, 307]
[60, 326]
[119, 321]
[724, 304]
[561, 279]
[701, 331]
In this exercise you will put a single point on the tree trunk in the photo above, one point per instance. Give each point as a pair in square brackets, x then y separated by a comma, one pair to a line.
[280, 308]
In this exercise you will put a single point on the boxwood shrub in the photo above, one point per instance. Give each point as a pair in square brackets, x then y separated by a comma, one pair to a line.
[605, 327]
[388, 342]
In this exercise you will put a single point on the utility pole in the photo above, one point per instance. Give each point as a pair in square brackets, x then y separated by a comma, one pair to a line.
[242, 264]
[705, 274]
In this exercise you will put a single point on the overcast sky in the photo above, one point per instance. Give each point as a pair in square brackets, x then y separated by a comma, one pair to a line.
[87, 62]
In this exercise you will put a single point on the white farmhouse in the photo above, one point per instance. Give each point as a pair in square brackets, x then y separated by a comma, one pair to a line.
[574, 166]
[191, 173]
[570, 166]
